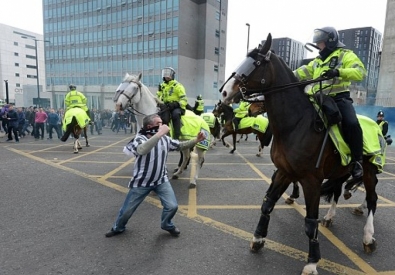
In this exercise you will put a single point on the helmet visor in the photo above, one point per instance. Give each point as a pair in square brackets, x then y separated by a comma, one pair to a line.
[167, 72]
[320, 36]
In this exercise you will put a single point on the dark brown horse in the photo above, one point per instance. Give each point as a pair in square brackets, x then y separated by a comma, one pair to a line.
[296, 146]
[227, 112]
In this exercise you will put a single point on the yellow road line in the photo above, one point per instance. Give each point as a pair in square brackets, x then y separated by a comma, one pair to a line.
[192, 214]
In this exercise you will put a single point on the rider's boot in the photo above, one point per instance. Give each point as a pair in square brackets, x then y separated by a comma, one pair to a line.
[236, 123]
[357, 171]
[176, 128]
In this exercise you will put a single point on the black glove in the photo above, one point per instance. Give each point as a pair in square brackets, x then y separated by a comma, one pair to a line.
[173, 105]
[331, 73]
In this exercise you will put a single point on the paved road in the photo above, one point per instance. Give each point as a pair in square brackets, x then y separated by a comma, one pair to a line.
[55, 207]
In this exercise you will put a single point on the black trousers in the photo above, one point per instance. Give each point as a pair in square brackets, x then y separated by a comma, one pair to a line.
[176, 119]
[352, 131]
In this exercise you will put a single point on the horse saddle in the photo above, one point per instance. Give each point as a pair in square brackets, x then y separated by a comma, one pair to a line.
[80, 115]
[259, 123]
[191, 125]
[374, 144]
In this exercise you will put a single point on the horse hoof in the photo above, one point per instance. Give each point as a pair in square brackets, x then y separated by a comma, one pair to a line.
[75, 152]
[232, 151]
[175, 177]
[370, 248]
[88, 145]
[357, 211]
[258, 155]
[192, 186]
[256, 246]
[227, 145]
[289, 201]
[326, 223]
[79, 148]
[347, 195]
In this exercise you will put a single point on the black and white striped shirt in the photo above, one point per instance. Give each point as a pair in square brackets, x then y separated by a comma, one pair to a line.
[150, 169]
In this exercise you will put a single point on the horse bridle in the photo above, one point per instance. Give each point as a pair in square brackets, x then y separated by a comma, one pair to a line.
[250, 64]
[130, 107]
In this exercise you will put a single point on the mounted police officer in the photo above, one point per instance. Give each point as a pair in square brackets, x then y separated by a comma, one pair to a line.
[172, 93]
[383, 124]
[240, 113]
[74, 99]
[199, 105]
[340, 66]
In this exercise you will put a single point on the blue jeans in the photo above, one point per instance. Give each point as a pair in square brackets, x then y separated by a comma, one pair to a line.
[137, 194]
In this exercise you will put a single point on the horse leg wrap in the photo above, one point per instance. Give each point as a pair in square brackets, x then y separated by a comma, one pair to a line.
[311, 229]
[263, 224]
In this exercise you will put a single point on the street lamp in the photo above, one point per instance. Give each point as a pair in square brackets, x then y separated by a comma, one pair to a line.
[7, 100]
[248, 37]
[38, 78]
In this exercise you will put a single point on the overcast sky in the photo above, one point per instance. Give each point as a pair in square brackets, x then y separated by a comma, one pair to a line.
[282, 18]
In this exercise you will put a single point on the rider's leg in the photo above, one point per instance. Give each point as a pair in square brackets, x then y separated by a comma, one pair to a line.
[352, 134]
[236, 122]
[176, 119]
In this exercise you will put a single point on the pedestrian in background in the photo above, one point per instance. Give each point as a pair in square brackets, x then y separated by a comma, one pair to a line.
[53, 123]
[39, 121]
[12, 119]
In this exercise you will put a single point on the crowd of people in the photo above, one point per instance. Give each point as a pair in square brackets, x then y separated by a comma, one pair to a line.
[18, 123]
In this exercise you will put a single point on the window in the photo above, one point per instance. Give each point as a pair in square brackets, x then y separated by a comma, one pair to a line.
[15, 43]
[215, 68]
[16, 74]
[16, 54]
[16, 64]
[217, 15]
[18, 85]
[217, 33]
[215, 84]
[216, 50]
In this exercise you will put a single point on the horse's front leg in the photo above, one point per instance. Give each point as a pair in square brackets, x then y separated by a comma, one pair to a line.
[86, 137]
[185, 159]
[76, 145]
[311, 190]
[234, 143]
[277, 188]
[197, 158]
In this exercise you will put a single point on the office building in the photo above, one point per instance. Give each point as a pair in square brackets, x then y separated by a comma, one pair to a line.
[21, 65]
[290, 50]
[366, 43]
[386, 86]
[94, 43]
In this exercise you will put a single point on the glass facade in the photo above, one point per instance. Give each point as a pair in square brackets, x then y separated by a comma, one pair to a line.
[94, 43]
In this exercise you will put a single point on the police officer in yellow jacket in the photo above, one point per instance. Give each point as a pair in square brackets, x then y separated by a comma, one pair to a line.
[383, 124]
[240, 112]
[74, 99]
[199, 105]
[172, 93]
[340, 66]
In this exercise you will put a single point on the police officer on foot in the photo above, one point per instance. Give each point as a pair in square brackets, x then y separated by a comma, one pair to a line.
[383, 124]
[199, 105]
[172, 93]
[340, 66]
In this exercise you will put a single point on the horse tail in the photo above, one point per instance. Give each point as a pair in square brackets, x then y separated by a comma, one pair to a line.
[333, 187]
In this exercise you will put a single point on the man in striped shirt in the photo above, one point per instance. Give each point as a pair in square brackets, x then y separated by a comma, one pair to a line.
[150, 147]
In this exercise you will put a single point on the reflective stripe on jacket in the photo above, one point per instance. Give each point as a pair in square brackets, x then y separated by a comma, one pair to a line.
[75, 99]
[173, 91]
[348, 64]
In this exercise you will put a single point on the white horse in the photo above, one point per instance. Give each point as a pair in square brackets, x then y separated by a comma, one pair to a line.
[132, 94]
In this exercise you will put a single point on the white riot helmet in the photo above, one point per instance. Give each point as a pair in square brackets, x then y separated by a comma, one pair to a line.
[168, 72]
